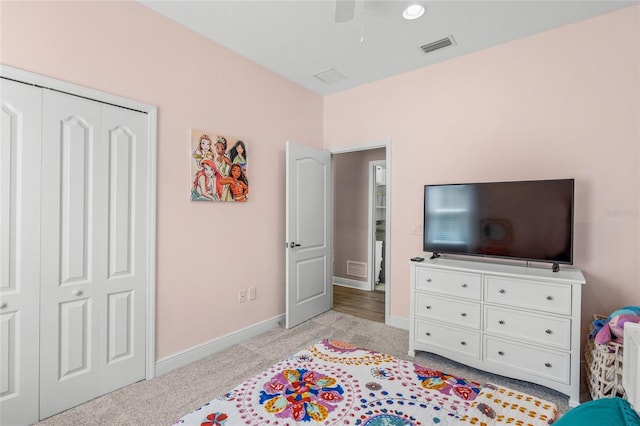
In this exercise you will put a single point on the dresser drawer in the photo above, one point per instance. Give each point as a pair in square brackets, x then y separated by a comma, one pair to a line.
[538, 295]
[551, 365]
[466, 314]
[541, 329]
[448, 338]
[452, 283]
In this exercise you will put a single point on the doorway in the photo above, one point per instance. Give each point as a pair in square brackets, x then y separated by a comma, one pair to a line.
[360, 235]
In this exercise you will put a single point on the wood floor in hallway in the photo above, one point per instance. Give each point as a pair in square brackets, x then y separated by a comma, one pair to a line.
[359, 303]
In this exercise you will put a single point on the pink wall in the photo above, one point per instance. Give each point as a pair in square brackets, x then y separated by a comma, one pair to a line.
[205, 252]
[565, 103]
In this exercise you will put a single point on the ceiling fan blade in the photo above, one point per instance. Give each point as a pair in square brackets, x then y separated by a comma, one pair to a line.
[345, 10]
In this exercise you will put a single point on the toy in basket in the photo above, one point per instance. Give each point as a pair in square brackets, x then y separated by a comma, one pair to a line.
[612, 329]
[604, 355]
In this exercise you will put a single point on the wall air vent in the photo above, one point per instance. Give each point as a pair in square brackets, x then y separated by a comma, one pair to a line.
[445, 42]
[357, 269]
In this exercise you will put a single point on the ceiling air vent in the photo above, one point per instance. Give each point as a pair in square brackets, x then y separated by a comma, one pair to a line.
[445, 42]
[329, 76]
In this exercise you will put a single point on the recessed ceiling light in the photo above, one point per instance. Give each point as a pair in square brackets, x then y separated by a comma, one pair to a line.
[413, 12]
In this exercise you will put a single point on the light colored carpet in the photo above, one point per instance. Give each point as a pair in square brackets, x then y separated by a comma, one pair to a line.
[165, 399]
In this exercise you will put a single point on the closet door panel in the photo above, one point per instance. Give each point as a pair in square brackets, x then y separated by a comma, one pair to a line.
[74, 337]
[20, 134]
[76, 140]
[122, 353]
[73, 232]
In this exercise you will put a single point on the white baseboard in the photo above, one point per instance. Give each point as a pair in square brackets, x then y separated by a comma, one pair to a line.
[198, 352]
[188, 356]
[346, 282]
[397, 322]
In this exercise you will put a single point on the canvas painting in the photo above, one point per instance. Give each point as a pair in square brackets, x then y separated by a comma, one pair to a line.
[218, 168]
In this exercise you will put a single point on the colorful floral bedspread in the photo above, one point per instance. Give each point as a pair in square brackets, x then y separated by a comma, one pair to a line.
[497, 405]
[334, 383]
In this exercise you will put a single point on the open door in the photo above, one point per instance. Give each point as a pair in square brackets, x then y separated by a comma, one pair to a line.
[308, 233]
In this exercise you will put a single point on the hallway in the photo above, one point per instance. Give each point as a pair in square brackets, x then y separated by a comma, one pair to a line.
[360, 303]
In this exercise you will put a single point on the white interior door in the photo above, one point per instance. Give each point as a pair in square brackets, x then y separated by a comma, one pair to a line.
[308, 233]
[73, 237]
[123, 288]
[19, 252]
[92, 330]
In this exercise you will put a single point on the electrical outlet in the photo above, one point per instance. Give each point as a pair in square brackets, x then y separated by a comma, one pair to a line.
[252, 293]
[242, 296]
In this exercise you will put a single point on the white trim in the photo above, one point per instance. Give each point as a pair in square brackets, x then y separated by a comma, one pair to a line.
[151, 111]
[402, 323]
[362, 147]
[370, 226]
[151, 243]
[387, 238]
[198, 352]
[70, 88]
[373, 213]
[631, 364]
[346, 282]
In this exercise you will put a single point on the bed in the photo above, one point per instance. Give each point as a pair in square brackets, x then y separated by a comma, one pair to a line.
[332, 382]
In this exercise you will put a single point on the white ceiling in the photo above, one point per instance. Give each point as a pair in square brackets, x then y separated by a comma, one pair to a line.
[300, 38]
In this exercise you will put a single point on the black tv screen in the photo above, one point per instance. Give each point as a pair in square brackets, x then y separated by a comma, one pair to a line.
[527, 220]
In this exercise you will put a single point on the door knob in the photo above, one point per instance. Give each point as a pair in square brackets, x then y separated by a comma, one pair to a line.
[293, 244]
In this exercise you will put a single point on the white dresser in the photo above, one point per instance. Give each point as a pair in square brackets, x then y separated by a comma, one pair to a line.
[517, 321]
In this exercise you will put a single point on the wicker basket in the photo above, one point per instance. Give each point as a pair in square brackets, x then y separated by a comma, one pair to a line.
[604, 368]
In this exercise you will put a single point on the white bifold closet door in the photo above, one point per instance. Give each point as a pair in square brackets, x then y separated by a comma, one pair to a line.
[19, 252]
[93, 252]
[91, 256]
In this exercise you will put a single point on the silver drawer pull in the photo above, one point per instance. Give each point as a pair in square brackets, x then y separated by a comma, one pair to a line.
[463, 343]
[548, 331]
[501, 322]
[3, 305]
[428, 280]
[464, 314]
[502, 291]
[549, 297]
[428, 306]
[500, 353]
[77, 292]
[464, 285]
[547, 364]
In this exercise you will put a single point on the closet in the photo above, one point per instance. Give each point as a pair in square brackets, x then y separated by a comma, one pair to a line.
[75, 257]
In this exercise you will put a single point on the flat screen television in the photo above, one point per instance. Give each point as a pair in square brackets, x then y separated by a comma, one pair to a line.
[525, 220]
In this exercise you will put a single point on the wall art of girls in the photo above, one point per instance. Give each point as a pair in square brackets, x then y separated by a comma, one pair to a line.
[218, 168]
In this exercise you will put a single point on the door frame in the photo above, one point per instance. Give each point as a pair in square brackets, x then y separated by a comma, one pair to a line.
[371, 243]
[386, 144]
[39, 80]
